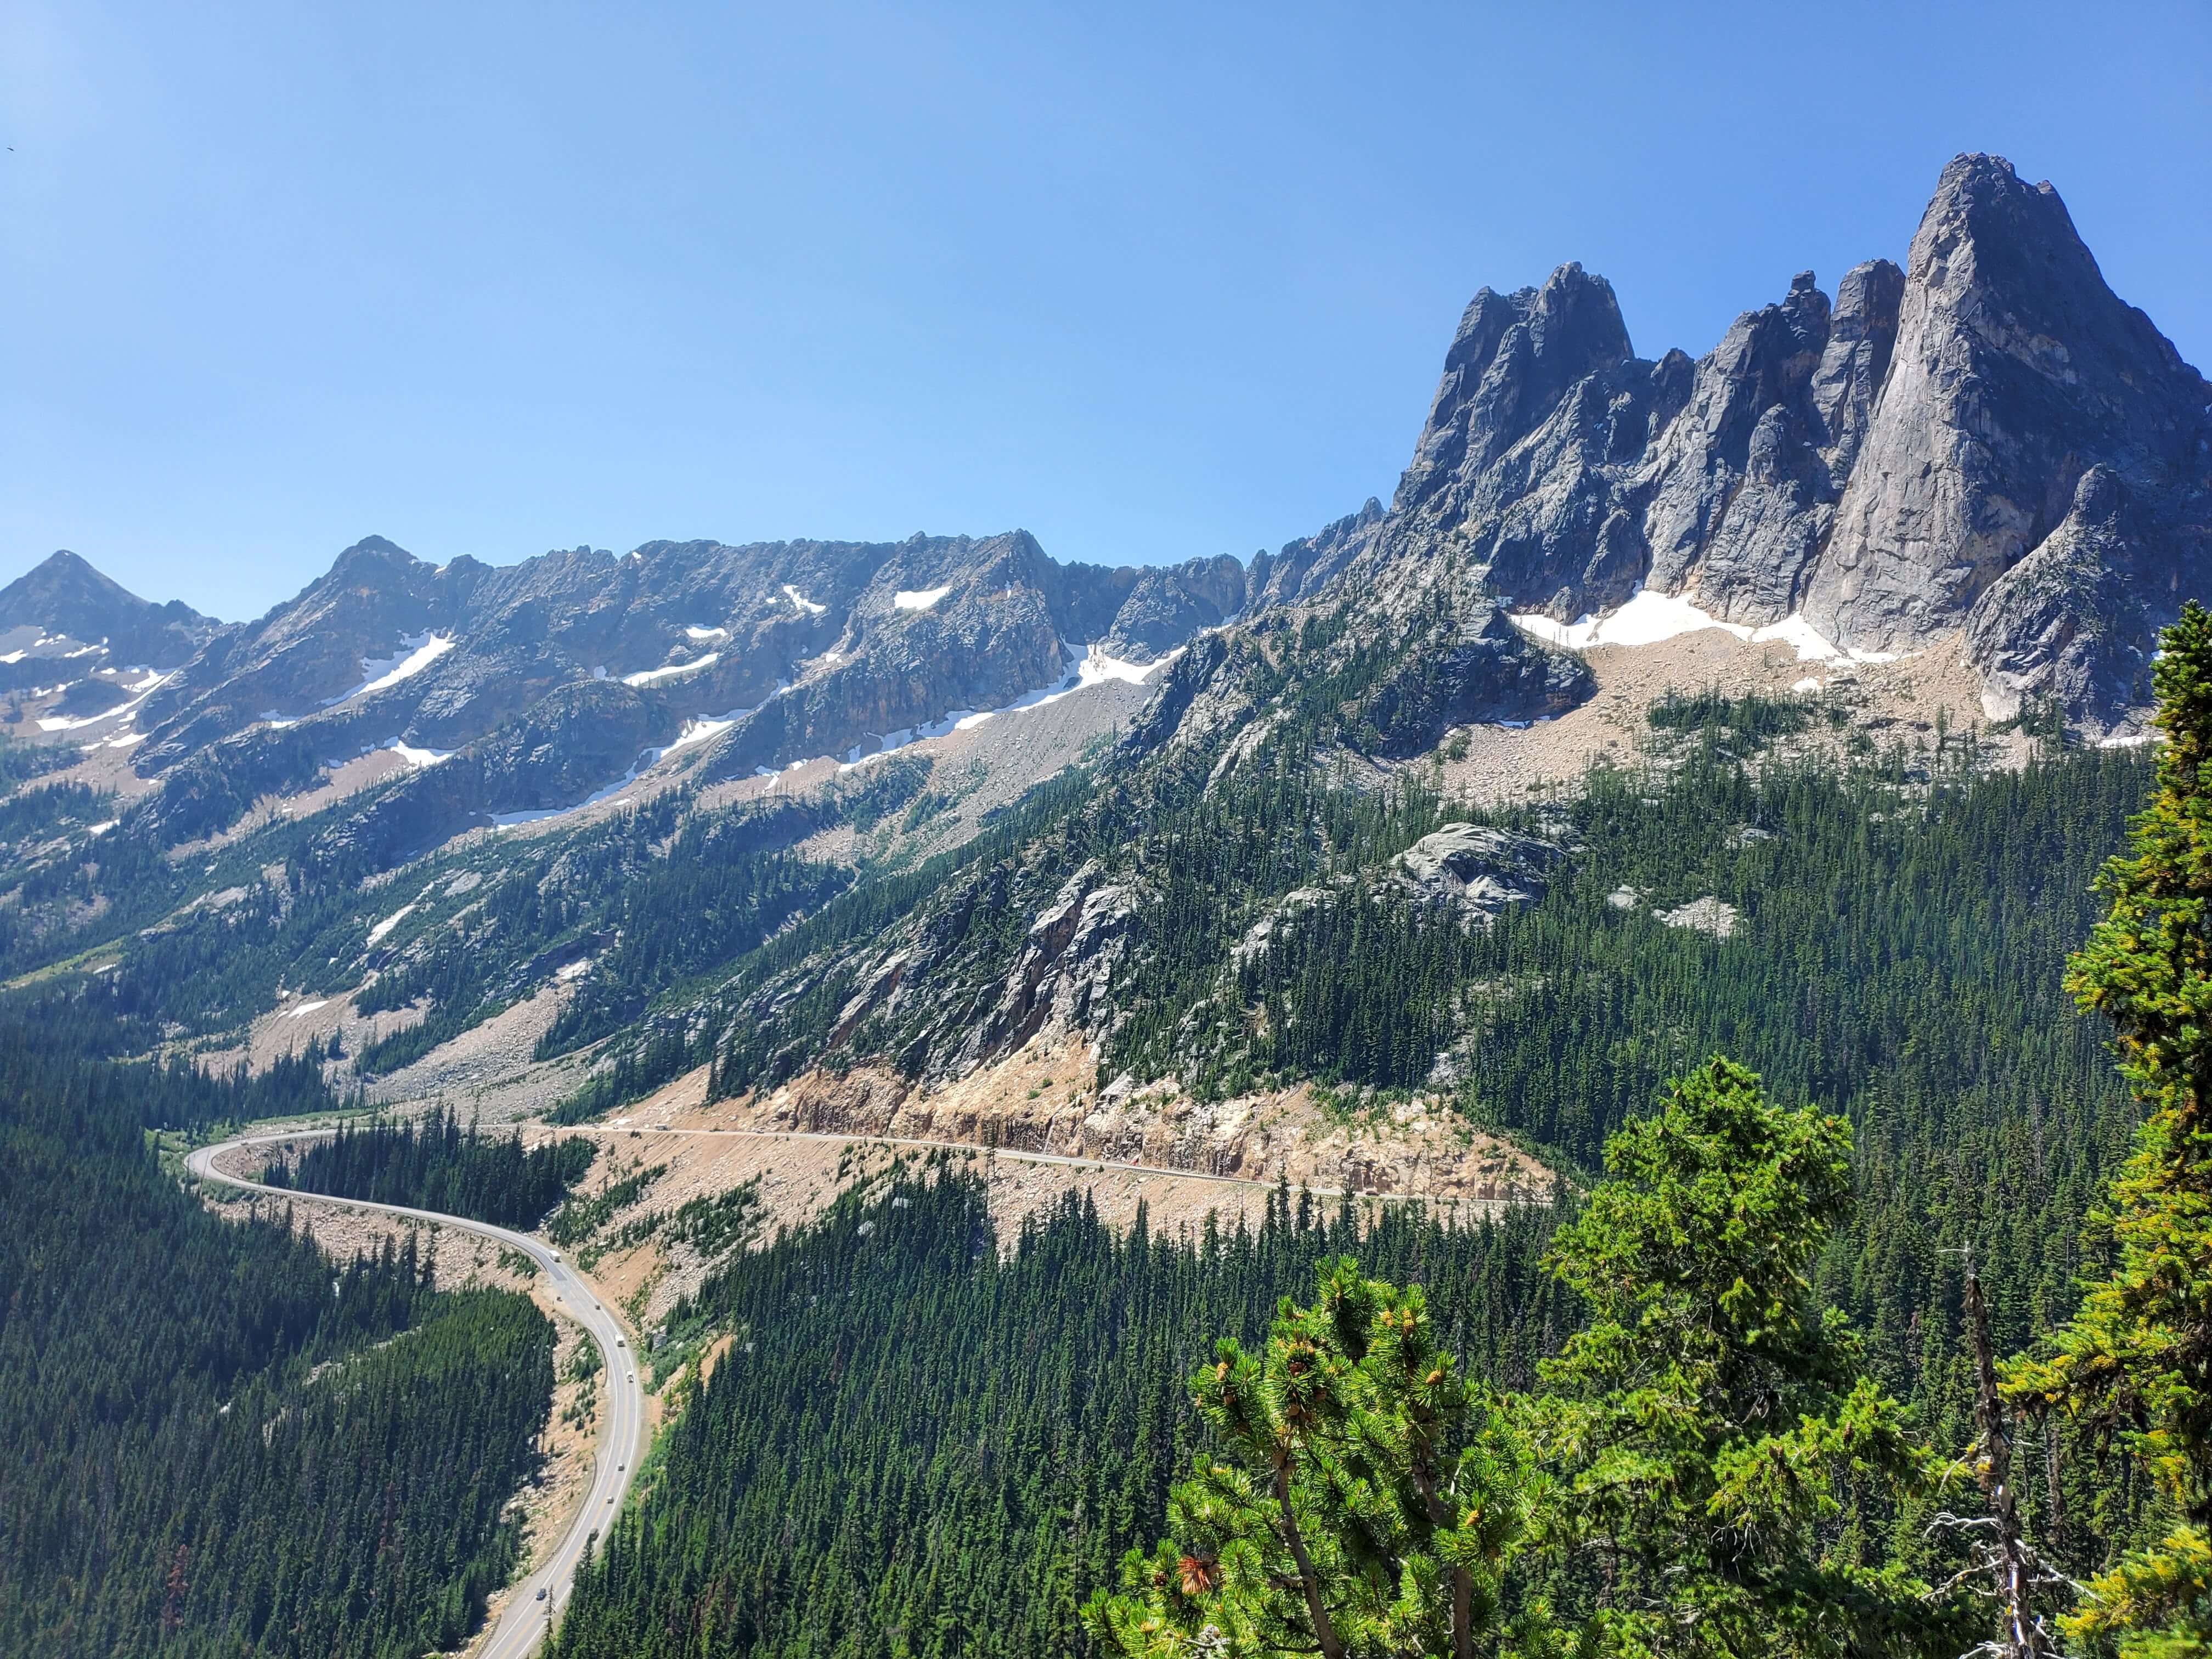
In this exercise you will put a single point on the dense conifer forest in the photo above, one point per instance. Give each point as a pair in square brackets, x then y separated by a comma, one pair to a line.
[434, 1163]
[917, 1441]
[215, 1441]
[913, 1444]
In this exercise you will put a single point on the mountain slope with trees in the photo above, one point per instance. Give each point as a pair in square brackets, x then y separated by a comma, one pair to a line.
[216, 1440]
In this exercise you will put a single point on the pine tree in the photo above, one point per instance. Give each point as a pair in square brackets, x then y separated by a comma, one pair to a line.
[2135, 1361]
[1350, 1515]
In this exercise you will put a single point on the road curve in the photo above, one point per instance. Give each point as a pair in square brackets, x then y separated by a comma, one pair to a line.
[523, 1626]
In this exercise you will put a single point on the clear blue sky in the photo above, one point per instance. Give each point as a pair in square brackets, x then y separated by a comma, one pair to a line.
[1150, 281]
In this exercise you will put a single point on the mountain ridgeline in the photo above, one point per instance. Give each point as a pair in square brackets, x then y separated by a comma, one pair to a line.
[1983, 445]
[1984, 441]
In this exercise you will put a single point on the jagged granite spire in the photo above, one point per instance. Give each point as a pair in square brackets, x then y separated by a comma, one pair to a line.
[2017, 370]
[1905, 462]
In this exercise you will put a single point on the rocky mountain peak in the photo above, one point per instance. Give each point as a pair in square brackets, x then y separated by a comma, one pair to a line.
[2016, 369]
[1514, 358]
[65, 597]
[1880, 464]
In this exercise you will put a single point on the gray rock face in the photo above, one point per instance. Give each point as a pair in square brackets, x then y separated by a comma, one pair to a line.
[1060, 978]
[2077, 620]
[1475, 870]
[2016, 369]
[1308, 565]
[1882, 464]
[1741, 488]
[1169, 604]
[808, 648]
[65, 597]
[1541, 410]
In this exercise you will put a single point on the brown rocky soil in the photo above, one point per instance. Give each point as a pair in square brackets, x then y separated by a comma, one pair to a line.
[1045, 1099]
[1035, 1129]
[1889, 701]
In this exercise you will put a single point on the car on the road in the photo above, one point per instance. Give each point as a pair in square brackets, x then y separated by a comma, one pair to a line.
[541, 1592]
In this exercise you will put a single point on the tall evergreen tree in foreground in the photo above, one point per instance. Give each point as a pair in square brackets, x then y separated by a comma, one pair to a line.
[1699, 1472]
[2135, 1361]
[1354, 1514]
[1719, 1447]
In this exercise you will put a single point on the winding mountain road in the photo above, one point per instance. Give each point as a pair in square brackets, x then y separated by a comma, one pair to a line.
[523, 1626]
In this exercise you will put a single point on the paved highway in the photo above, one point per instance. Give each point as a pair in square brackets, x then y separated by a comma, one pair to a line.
[1101, 1165]
[622, 1430]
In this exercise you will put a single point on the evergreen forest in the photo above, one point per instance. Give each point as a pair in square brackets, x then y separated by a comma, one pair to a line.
[216, 1440]
[434, 1163]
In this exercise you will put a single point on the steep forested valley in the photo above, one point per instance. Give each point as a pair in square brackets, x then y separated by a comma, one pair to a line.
[218, 1440]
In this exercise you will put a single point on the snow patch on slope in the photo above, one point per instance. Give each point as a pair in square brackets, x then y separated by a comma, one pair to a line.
[1648, 618]
[120, 712]
[1094, 667]
[919, 598]
[674, 670]
[420, 651]
[694, 732]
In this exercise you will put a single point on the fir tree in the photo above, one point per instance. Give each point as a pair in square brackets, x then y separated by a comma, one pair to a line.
[1706, 1423]
[2135, 1361]
[1351, 1516]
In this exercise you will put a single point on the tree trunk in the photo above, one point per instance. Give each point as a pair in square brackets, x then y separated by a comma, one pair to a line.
[1332, 1646]
[2020, 1636]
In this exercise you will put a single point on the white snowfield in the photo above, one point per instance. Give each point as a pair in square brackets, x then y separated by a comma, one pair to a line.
[415, 757]
[418, 651]
[1094, 668]
[695, 632]
[1649, 617]
[376, 933]
[802, 601]
[674, 670]
[121, 712]
[919, 598]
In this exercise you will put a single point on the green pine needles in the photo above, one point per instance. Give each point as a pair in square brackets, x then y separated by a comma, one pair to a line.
[1687, 1481]
[1719, 1445]
[1354, 1513]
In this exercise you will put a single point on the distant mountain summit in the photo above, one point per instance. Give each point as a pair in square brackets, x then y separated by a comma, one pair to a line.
[66, 598]
[1985, 439]
[541, 681]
